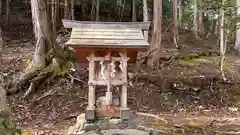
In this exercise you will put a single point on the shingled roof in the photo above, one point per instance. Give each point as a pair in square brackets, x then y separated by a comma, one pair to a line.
[107, 34]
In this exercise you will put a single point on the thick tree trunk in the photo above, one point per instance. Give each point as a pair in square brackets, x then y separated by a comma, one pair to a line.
[43, 32]
[97, 10]
[44, 43]
[195, 26]
[145, 17]
[72, 9]
[134, 14]
[237, 43]
[174, 22]
[157, 32]
[49, 59]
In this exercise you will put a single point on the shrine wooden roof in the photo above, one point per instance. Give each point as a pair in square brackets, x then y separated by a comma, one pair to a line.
[107, 34]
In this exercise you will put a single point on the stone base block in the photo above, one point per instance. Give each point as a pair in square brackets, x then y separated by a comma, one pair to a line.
[90, 115]
[108, 111]
[125, 113]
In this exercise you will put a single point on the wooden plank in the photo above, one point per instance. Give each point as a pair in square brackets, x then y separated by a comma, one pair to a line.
[129, 37]
[108, 43]
[104, 25]
[107, 33]
[106, 30]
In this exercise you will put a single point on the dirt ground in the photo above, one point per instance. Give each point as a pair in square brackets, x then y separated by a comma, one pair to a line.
[187, 94]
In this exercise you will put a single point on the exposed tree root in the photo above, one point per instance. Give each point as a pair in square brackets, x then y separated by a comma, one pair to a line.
[59, 64]
[34, 83]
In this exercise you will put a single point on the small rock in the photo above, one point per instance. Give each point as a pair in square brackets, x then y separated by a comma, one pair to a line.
[115, 121]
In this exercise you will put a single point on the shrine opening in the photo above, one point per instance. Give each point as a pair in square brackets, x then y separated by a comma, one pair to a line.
[108, 47]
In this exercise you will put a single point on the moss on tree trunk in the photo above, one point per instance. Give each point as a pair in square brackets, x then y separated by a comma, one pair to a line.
[7, 124]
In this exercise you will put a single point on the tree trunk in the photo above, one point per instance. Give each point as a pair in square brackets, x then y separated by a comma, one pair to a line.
[134, 14]
[222, 32]
[7, 12]
[123, 5]
[223, 40]
[49, 59]
[72, 9]
[180, 13]
[195, 26]
[57, 17]
[1, 43]
[92, 10]
[44, 43]
[1, 3]
[97, 10]
[237, 43]
[145, 17]
[66, 9]
[83, 12]
[200, 20]
[157, 32]
[54, 17]
[174, 22]
[43, 32]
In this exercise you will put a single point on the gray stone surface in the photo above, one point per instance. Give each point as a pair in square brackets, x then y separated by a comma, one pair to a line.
[117, 132]
[124, 132]
[117, 127]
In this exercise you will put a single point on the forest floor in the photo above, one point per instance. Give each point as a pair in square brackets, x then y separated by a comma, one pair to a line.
[188, 95]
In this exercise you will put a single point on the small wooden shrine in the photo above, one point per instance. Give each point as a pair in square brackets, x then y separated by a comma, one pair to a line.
[108, 47]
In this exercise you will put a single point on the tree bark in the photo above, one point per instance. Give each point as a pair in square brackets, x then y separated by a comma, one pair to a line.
[1, 43]
[83, 12]
[1, 3]
[200, 20]
[72, 9]
[43, 32]
[223, 40]
[222, 52]
[92, 10]
[145, 17]
[97, 10]
[174, 22]
[157, 32]
[195, 26]
[134, 14]
[122, 10]
[66, 9]
[237, 43]
[7, 12]
[54, 17]
[180, 13]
